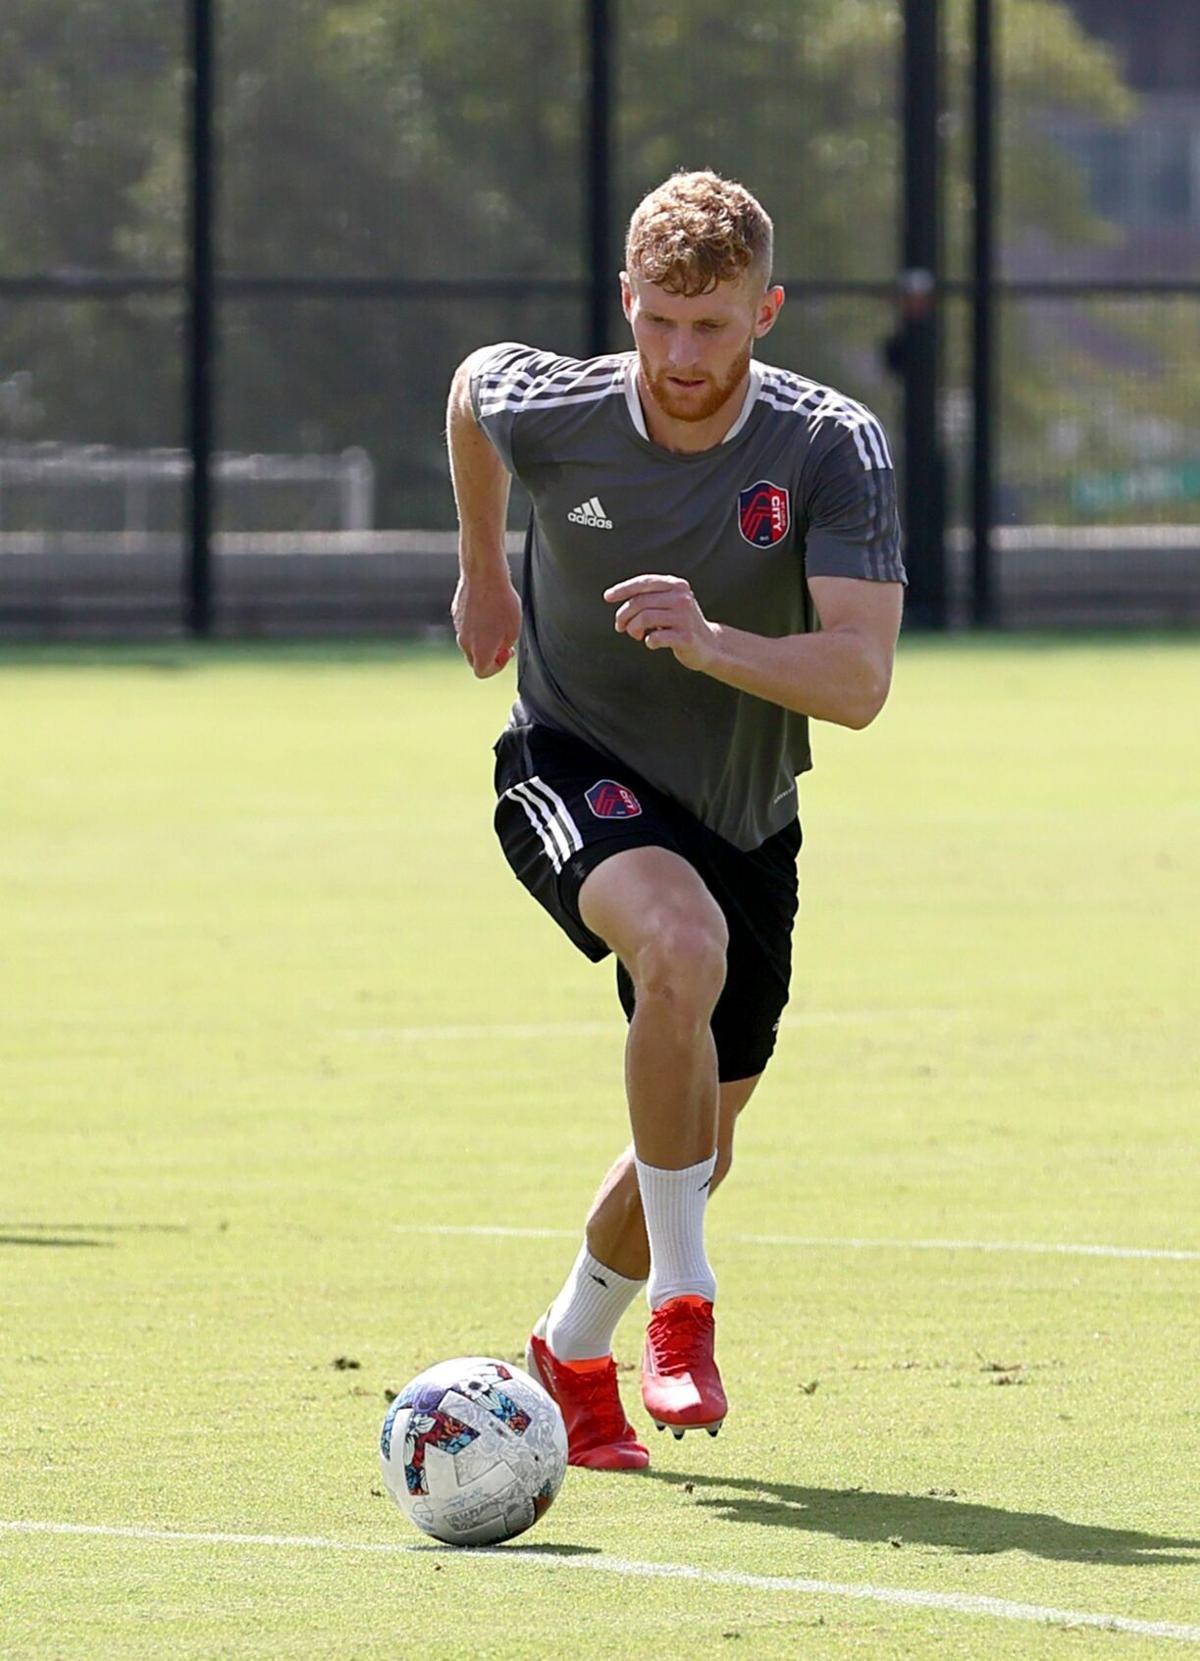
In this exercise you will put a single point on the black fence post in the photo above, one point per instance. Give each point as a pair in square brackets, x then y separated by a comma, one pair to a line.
[598, 142]
[983, 316]
[198, 585]
[919, 339]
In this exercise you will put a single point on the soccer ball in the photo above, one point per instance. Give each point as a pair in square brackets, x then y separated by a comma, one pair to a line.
[473, 1451]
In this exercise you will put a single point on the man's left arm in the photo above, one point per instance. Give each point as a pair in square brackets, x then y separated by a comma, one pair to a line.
[841, 674]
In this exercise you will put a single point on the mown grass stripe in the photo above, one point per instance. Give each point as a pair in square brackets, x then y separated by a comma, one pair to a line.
[821, 1243]
[520, 1030]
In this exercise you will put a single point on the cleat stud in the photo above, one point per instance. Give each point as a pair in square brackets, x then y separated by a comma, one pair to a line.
[713, 1429]
[678, 1435]
[659, 1428]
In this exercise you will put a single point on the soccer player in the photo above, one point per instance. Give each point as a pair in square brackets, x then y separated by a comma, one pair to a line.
[713, 559]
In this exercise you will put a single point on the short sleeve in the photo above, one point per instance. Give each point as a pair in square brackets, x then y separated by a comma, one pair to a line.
[517, 393]
[853, 519]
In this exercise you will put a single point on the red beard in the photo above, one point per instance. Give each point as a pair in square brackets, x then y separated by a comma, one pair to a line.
[701, 402]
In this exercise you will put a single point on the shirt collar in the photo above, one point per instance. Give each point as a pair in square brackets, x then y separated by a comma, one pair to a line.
[638, 417]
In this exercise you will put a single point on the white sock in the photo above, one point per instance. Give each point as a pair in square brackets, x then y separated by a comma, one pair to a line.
[584, 1315]
[673, 1203]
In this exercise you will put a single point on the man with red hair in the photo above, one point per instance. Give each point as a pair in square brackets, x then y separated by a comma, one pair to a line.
[713, 559]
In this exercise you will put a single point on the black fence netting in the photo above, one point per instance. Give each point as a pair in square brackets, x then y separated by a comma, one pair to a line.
[1097, 441]
[393, 186]
[92, 412]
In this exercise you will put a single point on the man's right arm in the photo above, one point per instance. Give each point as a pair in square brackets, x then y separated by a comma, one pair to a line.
[486, 609]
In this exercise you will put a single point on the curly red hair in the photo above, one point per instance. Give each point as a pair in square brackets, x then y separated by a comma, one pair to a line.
[697, 230]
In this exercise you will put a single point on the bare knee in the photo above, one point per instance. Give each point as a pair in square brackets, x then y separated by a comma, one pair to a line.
[680, 964]
[722, 1168]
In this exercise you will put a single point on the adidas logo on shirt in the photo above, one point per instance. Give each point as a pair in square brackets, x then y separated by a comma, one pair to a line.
[591, 513]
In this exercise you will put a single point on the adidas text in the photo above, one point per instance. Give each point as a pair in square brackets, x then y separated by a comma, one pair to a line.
[590, 513]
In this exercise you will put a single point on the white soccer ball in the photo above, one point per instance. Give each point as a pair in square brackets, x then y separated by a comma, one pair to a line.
[473, 1451]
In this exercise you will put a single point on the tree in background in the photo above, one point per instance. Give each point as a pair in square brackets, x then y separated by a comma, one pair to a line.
[433, 142]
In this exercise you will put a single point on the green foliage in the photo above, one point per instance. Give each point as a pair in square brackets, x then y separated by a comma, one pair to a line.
[434, 141]
[88, 103]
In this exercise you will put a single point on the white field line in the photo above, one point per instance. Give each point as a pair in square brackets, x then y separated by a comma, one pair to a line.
[817, 1243]
[957, 1603]
[614, 1028]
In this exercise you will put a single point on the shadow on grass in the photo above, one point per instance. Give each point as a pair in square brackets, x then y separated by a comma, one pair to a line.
[96, 1228]
[915, 1520]
[76, 1234]
[73, 1240]
[544, 1548]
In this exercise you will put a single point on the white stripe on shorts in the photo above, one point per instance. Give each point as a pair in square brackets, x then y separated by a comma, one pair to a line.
[560, 818]
[538, 815]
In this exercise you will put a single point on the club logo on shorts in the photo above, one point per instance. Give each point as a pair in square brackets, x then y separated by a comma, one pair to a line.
[610, 800]
[764, 513]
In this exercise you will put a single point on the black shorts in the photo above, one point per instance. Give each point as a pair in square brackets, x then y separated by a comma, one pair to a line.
[563, 808]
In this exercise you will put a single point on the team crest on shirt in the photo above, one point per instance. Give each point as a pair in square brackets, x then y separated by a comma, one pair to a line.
[764, 513]
[610, 800]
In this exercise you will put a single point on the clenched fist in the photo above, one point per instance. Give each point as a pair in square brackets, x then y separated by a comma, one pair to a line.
[487, 620]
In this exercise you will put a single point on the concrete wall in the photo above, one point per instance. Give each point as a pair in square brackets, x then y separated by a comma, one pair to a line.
[397, 583]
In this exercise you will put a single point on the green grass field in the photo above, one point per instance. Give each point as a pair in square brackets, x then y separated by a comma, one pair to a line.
[263, 983]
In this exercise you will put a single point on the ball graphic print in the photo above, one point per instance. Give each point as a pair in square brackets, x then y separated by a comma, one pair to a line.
[473, 1451]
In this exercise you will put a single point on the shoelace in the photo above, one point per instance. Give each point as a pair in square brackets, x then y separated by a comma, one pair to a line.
[678, 1337]
[599, 1399]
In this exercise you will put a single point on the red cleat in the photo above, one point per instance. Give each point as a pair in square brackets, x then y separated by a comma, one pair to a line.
[681, 1386]
[599, 1436]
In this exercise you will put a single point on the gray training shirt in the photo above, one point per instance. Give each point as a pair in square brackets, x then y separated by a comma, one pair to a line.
[802, 486]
